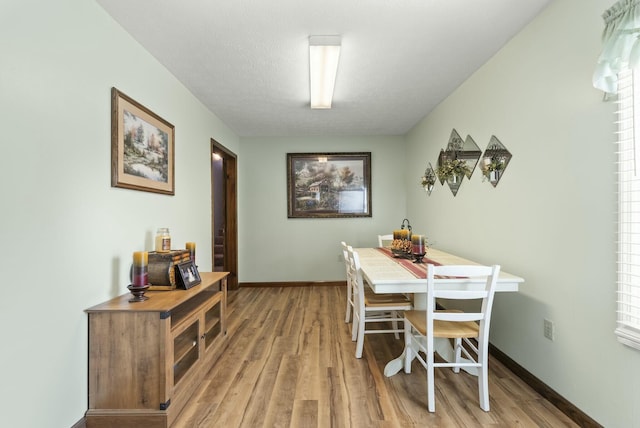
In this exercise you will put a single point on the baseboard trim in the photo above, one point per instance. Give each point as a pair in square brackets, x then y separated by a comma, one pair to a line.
[565, 406]
[293, 284]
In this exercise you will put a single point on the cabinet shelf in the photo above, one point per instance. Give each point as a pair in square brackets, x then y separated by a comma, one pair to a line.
[185, 342]
[166, 344]
[183, 366]
[184, 310]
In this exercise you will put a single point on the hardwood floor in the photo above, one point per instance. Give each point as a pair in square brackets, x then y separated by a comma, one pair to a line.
[289, 361]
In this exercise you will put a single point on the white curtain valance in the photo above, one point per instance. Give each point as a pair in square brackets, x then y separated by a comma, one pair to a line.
[621, 44]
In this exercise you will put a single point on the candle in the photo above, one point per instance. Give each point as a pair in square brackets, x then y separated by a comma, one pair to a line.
[418, 243]
[191, 246]
[140, 268]
[396, 234]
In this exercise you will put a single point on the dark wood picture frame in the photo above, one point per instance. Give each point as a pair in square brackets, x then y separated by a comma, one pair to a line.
[187, 275]
[329, 185]
[142, 147]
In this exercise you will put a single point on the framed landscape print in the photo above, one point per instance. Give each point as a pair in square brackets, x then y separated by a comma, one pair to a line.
[142, 146]
[328, 185]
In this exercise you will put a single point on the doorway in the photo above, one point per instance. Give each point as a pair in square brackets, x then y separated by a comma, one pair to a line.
[224, 221]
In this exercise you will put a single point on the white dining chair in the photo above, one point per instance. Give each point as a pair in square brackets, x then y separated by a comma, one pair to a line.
[385, 240]
[372, 308]
[421, 327]
[350, 303]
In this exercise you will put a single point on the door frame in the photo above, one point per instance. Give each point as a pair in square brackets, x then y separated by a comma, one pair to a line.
[230, 173]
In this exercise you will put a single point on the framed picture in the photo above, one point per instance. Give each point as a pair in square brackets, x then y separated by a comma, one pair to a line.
[187, 275]
[142, 145]
[329, 185]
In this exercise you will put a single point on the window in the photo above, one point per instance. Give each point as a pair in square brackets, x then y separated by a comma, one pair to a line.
[628, 114]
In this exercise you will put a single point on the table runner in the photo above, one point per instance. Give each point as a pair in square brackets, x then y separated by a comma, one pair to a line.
[419, 270]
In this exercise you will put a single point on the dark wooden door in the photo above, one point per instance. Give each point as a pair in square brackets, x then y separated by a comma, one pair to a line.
[224, 228]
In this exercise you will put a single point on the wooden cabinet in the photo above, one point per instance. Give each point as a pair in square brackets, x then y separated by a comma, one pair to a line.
[147, 358]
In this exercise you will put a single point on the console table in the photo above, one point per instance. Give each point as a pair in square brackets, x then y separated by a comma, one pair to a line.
[147, 358]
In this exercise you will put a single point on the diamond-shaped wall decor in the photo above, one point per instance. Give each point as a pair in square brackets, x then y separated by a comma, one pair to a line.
[471, 154]
[429, 179]
[494, 161]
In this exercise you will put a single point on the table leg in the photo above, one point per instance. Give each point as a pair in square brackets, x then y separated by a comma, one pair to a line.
[394, 366]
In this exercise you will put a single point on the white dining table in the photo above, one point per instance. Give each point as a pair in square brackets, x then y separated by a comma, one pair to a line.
[386, 274]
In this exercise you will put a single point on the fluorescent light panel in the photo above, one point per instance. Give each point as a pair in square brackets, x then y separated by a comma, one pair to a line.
[324, 52]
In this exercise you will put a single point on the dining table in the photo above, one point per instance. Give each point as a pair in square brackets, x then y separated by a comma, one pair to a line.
[386, 272]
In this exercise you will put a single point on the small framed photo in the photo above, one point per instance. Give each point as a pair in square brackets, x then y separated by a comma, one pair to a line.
[187, 275]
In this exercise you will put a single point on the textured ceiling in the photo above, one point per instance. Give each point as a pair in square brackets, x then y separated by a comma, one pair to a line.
[247, 60]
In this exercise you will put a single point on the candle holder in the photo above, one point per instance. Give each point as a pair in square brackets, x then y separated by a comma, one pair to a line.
[418, 247]
[138, 292]
[407, 233]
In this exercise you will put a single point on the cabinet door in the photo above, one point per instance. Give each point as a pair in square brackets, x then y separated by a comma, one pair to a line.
[186, 346]
[212, 322]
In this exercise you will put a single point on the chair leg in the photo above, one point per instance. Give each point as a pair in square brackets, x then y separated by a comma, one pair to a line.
[431, 398]
[483, 379]
[483, 387]
[347, 316]
[354, 326]
[394, 323]
[360, 338]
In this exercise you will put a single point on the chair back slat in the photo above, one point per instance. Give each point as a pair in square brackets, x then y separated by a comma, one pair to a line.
[461, 294]
[458, 316]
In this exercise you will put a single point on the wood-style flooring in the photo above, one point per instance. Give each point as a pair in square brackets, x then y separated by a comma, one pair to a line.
[288, 361]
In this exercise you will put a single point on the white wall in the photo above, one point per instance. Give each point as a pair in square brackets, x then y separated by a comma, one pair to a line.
[275, 248]
[551, 219]
[67, 235]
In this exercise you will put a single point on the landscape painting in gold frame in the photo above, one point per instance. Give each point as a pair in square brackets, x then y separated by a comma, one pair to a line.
[142, 147]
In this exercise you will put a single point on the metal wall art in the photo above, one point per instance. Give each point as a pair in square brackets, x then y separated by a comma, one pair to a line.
[457, 161]
[428, 179]
[460, 159]
[494, 161]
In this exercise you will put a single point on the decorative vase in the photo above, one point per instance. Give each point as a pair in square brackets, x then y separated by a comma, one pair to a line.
[455, 178]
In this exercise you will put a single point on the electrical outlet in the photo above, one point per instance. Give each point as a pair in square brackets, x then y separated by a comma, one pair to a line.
[549, 329]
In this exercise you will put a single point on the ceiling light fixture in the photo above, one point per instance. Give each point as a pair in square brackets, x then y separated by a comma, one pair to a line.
[324, 52]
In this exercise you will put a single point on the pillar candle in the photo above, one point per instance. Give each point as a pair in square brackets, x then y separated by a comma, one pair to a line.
[191, 246]
[140, 268]
[418, 244]
[397, 234]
